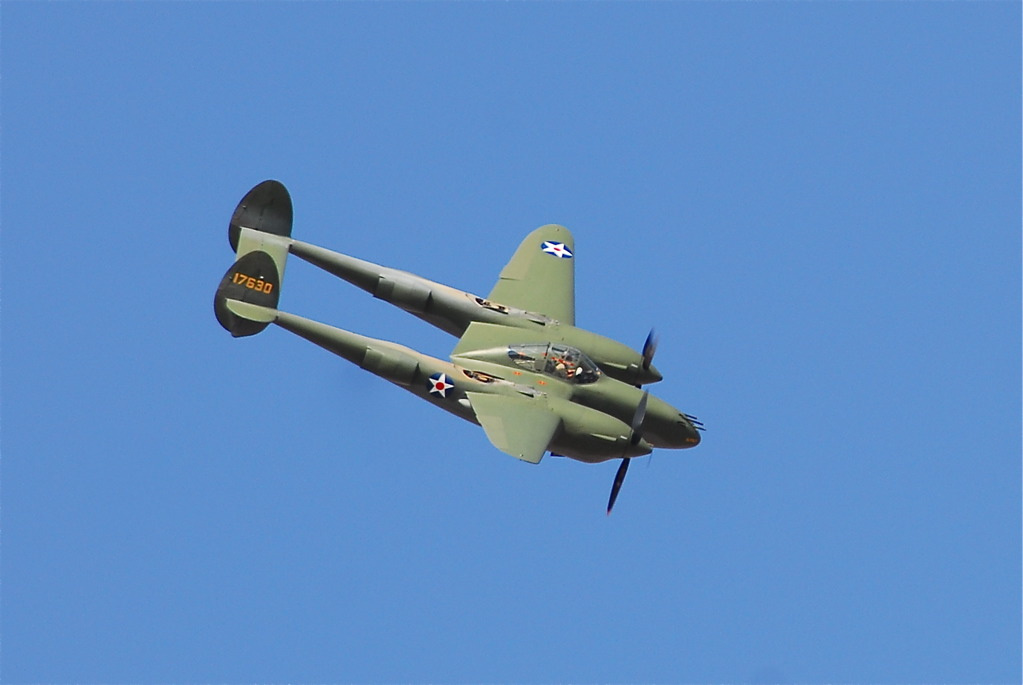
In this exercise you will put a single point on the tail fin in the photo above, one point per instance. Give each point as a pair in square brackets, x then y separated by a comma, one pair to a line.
[260, 234]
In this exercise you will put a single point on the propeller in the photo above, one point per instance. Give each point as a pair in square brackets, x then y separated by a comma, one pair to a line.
[619, 479]
[634, 438]
[649, 347]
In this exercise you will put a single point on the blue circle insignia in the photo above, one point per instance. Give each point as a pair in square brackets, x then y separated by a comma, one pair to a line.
[440, 384]
[559, 250]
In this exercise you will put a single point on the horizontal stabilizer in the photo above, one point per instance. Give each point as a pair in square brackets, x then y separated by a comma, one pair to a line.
[516, 425]
[252, 312]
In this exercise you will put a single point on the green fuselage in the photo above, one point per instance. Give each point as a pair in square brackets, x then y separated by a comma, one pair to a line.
[603, 407]
[614, 394]
[521, 369]
[454, 310]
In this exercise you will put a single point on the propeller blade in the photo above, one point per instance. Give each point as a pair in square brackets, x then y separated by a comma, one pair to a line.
[637, 418]
[649, 347]
[619, 477]
[637, 423]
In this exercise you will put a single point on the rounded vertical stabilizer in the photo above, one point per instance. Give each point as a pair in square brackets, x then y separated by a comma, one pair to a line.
[252, 279]
[265, 208]
[260, 235]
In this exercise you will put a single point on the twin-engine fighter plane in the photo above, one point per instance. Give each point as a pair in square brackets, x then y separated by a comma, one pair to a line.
[521, 369]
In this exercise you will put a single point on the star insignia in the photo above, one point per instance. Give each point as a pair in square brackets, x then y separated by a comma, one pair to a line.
[440, 384]
[559, 250]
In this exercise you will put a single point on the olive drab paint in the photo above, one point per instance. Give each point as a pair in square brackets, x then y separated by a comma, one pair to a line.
[521, 369]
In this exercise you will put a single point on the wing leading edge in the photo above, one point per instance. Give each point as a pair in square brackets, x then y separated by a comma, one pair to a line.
[540, 277]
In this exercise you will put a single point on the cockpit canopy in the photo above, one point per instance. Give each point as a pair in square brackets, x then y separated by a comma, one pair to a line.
[560, 361]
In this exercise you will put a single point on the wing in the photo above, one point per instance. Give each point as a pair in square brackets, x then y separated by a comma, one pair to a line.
[541, 275]
[487, 336]
[516, 425]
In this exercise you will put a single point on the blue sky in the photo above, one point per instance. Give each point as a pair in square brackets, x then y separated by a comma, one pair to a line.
[816, 204]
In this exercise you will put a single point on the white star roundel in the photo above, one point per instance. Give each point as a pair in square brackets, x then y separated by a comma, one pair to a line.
[440, 384]
[559, 250]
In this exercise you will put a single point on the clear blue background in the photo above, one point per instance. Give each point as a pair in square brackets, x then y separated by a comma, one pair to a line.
[817, 204]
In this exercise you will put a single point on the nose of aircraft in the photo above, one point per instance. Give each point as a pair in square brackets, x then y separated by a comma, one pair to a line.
[666, 426]
[688, 434]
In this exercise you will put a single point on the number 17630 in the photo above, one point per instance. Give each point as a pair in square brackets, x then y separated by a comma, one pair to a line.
[251, 283]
